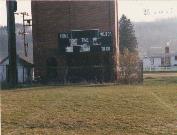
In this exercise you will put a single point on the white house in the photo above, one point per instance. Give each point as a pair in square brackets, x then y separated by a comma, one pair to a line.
[173, 59]
[24, 70]
[152, 62]
[146, 62]
[160, 63]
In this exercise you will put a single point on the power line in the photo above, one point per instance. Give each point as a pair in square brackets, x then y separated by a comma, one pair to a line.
[26, 23]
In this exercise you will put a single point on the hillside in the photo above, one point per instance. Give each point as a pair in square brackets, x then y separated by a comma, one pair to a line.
[19, 43]
[154, 36]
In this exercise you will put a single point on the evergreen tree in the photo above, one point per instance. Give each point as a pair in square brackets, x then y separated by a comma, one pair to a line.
[127, 36]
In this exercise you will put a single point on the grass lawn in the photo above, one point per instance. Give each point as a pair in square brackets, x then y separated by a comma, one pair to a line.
[149, 109]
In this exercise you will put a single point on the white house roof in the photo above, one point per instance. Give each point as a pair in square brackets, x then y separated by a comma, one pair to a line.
[20, 60]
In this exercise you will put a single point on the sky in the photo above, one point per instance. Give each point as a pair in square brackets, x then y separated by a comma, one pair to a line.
[136, 10]
[22, 6]
[148, 10]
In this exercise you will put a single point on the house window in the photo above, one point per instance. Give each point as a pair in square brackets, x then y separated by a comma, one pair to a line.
[162, 61]
[175, 57]
[152, 61]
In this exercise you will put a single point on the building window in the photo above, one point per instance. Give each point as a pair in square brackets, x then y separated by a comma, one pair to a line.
[152, 61]
[52, 68]
[162, 61]
[175, 57]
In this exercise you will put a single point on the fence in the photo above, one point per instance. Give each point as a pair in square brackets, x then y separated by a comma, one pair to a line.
[24, 73]
[74, 74]
[169, 69]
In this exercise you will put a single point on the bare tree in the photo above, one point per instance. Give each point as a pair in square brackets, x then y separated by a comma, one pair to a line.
[129, 63]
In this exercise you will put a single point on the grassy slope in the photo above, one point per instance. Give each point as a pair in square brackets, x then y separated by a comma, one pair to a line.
[138, 110]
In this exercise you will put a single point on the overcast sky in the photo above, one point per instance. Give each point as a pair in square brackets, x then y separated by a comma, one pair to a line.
[136, 10]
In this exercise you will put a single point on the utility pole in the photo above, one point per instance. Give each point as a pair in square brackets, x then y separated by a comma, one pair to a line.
[26, 22]
[116, 51]
[12, 77]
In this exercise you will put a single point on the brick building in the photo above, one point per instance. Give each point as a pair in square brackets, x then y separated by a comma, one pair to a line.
[51, 18]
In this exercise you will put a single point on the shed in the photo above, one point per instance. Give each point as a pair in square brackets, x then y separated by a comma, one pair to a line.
[24, 69]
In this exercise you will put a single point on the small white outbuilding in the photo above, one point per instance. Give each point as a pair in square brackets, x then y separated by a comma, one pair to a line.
[24, 69]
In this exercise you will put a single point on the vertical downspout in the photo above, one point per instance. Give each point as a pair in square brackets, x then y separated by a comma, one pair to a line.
[116, 49]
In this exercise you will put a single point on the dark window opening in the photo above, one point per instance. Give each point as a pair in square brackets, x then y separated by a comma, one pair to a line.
[175, 57]
[52, 68]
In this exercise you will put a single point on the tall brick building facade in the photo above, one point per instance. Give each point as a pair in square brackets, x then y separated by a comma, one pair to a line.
[53, 17]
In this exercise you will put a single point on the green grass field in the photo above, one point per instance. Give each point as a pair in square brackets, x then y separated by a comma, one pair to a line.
[148, 109]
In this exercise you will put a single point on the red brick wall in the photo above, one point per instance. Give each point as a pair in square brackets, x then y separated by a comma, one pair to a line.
[53, 17]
